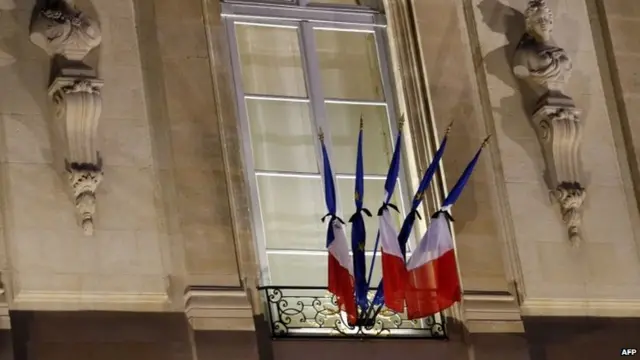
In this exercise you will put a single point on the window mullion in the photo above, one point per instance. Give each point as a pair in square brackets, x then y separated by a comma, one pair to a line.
[406, 197]
[316, 94]
[392, 115]
[247, 146]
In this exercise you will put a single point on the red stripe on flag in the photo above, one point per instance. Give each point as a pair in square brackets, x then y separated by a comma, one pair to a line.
[341, 285]
[432, 287]
[394, 273]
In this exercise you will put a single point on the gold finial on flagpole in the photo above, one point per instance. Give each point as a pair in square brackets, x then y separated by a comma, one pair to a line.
[446, 132]
[401, 122]
[486, 140]
[361, 121]
[320, 135]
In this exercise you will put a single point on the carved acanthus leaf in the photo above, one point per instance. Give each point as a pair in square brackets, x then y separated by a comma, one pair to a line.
[84, 180]
[570, 196]
[86, 86]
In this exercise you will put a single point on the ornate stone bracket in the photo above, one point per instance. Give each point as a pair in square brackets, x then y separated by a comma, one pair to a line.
[68, 35]
[560, 134]
[546, 68]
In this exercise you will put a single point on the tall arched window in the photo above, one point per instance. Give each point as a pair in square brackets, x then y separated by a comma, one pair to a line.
[297, 67]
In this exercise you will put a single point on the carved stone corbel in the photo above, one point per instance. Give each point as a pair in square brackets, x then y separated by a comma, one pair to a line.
[77, 105]
[560, 134]
[546, 68]
[68, 35]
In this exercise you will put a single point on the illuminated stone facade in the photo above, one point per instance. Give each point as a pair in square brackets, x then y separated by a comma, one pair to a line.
[148, 250]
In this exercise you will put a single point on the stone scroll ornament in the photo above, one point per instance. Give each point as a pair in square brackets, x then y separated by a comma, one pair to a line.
[68, 35]
[547, 68]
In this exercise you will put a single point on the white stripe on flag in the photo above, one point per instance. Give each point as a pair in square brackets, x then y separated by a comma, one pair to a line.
[435, 242]
[339, 248]
[389, 235]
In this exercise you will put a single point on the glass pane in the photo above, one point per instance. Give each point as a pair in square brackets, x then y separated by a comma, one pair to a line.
[271, 61]
[309, 270]
[281, 136]
[344, 122]
[377, 270]
[291, 211]
[349, 65]
[298, 270]
[373, 197]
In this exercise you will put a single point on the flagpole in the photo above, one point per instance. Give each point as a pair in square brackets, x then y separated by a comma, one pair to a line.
[386, 201]
[455, 252]
[403, 237]
[420, 192]
[358, 229]
[373, 259]
[340, 275]
[389, 187]
[405, 232]
[419, 306]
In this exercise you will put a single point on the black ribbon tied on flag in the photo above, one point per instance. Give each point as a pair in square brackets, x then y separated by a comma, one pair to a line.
[385, 206]
[357, 213]
[332, 217]
[446, 214]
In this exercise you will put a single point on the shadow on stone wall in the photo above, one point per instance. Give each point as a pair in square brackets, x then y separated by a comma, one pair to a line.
[6, 6]
[515, 108]
[33, 75]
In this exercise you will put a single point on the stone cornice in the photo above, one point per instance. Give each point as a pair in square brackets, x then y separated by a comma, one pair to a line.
[211, 308]
[99, 301]
[5, 320]
[581, 307]
[491, 312]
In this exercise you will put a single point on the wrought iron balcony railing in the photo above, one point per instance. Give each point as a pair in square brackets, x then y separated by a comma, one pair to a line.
[308, 311]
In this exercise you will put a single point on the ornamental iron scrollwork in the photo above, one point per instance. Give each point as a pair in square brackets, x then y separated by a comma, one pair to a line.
[307, 311]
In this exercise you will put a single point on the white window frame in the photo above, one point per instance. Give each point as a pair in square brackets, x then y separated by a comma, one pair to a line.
[306, 18]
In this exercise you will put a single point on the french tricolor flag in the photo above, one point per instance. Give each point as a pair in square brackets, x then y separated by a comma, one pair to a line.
[394, 244]
[394, 271]
[341, 270]
[433, 284]
[340, 277]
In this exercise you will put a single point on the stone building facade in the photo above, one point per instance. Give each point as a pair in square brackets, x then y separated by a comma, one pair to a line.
[140, 212]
